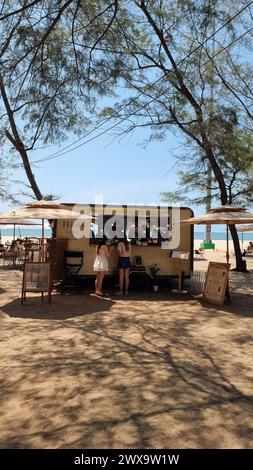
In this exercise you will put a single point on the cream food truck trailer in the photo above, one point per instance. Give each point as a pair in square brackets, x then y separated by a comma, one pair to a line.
[155, 233]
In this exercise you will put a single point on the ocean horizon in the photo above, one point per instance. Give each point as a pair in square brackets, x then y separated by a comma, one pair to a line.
[36, 232]
[222, 236]
[25, 232]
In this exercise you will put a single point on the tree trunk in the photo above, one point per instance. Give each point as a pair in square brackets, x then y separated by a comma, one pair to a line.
[27, 167]
[16, 141]
[205, 143]
[240, 263]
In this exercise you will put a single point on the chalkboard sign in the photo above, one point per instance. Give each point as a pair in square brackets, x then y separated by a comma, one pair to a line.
[36, 278]
[216, 282]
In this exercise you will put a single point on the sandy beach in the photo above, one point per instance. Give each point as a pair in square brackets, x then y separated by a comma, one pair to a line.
[145, 371]
[219, 254]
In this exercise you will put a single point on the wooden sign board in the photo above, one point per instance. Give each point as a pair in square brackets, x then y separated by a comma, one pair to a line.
[37, 277]
[216, 282]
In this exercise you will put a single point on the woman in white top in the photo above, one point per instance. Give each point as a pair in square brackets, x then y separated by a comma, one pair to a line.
[124, 265]
[100, 265]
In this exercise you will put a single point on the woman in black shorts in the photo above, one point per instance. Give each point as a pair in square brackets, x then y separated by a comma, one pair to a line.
[124, 264]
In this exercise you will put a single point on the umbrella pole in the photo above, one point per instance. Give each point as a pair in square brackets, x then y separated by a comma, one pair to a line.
[227, 254]
[42, 241]
[14, 231]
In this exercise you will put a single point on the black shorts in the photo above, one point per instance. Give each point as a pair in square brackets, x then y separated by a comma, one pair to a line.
[124, 262]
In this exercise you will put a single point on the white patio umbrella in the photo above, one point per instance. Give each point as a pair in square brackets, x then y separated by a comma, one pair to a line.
[57, 211]
[45, 210]
[224, 215]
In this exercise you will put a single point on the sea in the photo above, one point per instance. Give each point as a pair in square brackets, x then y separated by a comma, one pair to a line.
[222, 235]
[35, 232]
[25, 232]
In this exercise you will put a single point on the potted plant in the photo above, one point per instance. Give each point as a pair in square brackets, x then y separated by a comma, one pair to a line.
[153, 270]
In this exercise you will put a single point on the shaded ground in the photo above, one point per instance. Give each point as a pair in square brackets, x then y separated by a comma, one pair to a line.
[151, 370]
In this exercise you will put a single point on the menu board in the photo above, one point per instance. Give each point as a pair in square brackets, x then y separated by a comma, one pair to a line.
[216, 282]
[36, 277]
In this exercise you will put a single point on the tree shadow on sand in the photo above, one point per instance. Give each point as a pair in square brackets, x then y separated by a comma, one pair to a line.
[145, 371]
[62, 307]
[240, 305]
[124, 378]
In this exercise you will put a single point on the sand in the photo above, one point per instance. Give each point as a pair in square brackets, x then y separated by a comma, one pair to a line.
[144, 371]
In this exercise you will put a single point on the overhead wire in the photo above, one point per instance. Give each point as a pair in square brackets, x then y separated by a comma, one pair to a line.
[65, 150]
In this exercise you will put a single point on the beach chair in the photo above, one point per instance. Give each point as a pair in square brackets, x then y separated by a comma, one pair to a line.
[31, 246]
[9, 258]
[250, 248]
[73, 261]
[199, 254]
[2, 249]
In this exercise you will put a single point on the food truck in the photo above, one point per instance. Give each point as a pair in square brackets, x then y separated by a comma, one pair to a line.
[155, 233]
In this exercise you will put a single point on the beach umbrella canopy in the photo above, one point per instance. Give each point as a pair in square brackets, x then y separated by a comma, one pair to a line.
[223, 215]
[44, 210]
[14, 221]
[246, 228]
[41, 213]
[45, 203]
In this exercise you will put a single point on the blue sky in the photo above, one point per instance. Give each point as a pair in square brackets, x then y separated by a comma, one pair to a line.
[122, 171]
